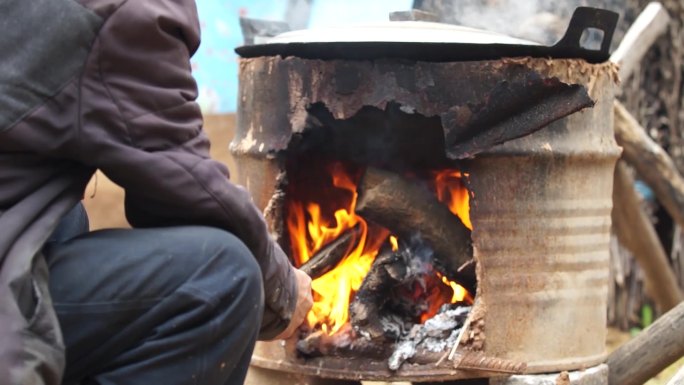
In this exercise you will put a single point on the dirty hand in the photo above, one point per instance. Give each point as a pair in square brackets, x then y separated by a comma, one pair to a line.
[304, 303]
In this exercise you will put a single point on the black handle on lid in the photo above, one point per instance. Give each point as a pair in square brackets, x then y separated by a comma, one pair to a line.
[582, 19]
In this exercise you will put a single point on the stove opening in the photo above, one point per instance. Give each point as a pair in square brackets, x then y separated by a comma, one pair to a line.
[381, 223]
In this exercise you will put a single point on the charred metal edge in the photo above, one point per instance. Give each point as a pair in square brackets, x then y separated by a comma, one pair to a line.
[277, 93]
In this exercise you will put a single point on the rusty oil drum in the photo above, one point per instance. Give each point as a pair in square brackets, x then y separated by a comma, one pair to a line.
[541, 207]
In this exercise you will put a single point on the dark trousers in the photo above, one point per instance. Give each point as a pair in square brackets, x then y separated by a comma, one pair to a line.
[177, 305]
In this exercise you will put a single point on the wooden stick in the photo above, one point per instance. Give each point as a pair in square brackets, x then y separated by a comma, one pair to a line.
[635, 231]
[406, 208]
[653, 164]
[650, 352]
[649, 25]
[330, 255]
[466, 326]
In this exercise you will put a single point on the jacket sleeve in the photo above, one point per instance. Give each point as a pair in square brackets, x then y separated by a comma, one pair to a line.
[141, 126]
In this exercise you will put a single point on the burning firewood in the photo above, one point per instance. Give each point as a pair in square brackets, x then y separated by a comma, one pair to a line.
[330, 255]
[405, 208]
[401, 289]
[389, 269]
[342, 343]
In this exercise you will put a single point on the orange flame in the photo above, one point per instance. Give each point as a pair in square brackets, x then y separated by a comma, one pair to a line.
[460, 294]
[311, 228]
[334, 290]
[451, 191]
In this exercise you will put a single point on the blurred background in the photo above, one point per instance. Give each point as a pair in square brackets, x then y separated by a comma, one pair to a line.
[215, 64]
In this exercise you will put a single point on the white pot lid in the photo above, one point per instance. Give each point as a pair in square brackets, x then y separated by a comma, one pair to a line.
[396, 32]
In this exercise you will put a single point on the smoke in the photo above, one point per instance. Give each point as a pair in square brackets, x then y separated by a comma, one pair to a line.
[527, 19]
[417, 256]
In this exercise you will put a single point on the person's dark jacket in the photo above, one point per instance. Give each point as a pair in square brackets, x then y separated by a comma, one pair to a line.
[105, 84]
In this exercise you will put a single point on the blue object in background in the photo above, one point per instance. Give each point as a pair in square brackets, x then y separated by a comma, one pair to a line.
[215, 64]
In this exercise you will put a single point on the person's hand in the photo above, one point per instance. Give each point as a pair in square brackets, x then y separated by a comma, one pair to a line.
[304, 303]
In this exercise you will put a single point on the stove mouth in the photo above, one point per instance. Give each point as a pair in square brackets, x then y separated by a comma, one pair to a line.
[390, 256]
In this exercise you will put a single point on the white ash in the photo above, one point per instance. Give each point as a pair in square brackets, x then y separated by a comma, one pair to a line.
[392, 326]
[437, 345]
[403, 351]
[438, 334]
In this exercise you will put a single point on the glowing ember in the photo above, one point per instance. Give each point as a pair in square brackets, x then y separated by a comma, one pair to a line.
[311, 227]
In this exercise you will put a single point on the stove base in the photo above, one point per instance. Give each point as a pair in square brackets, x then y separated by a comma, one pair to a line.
[261, 376]
[597, 375]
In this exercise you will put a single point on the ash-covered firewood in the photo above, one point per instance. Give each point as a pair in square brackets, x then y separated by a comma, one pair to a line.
[436, 335]
[394, 293]
[342, 343]
[398, 289]
[406, 208]
[330, 255]
[366, 313]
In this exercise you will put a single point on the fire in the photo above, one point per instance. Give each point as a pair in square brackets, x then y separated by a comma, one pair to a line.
[451, 191]
[310, 231]
[460, 294]
[311, 227]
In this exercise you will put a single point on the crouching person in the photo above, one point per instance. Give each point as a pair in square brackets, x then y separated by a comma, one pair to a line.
[181, 297]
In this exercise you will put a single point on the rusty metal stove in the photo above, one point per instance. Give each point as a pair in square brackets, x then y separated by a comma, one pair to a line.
[542, 202]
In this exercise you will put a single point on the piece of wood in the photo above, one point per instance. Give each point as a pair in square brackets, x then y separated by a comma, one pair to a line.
[341, 344]
[649, 25]
[654, 349]
[332, 253]
[389, 270]
[654, 165]
[635, 231]
[406, 208]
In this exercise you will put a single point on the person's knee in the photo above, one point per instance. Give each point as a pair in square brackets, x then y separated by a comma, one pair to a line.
[238, 273]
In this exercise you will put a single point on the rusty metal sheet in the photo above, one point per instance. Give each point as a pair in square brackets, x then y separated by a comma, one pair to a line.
[510, 110]
[477, 104]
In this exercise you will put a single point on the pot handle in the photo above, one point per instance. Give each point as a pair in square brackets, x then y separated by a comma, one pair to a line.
[582, 19]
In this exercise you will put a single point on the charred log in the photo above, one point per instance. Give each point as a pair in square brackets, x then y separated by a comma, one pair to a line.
[342, 343]
[365, 312]
[330, 255]
[400, 289]
[405, 208]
